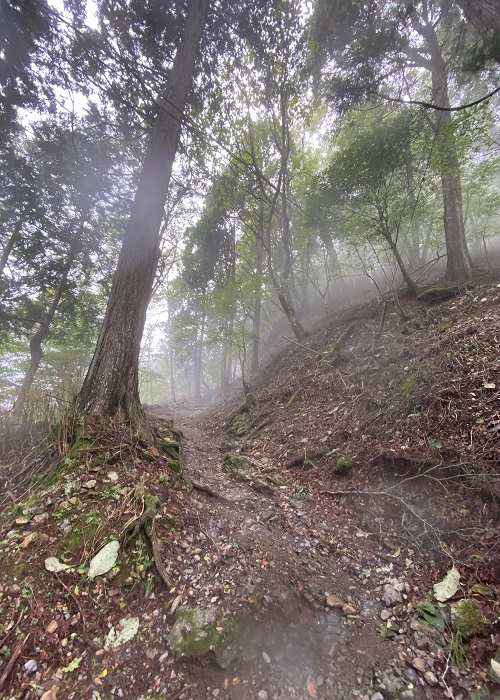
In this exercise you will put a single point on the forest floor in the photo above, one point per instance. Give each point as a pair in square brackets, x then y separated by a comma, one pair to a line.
[300, 547]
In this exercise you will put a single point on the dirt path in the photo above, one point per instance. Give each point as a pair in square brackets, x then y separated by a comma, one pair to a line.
[304, 627]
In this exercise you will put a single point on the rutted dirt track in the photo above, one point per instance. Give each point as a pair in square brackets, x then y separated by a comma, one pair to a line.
[313, 588]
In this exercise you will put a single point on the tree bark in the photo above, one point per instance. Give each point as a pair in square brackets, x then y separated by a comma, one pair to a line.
[111, 385]
[36, 352]
[254, 366]
[483, 14]
[459, 264]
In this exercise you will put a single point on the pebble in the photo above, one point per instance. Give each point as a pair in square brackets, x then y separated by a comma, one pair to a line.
[419, 665]
[30, 666]
[262, 695]
[430, 678]
[385, 615]
[390, 595]
[377, 696]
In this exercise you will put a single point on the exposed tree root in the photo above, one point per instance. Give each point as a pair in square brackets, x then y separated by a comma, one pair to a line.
[207, 489]
[146, 522]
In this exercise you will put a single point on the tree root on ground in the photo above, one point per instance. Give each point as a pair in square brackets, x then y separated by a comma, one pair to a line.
[207, 489]
[146, 522]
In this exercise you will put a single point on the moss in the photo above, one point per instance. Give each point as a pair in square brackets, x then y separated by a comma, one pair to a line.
[235, 463]
[176, 466]
[408, 386]
[19, 570]
[194, 633]
[343, 466]
[467, 618]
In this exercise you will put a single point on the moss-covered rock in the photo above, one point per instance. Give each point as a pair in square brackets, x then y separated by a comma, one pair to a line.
[468, 618]
[235, 463]
[195, 633]
[342, 467]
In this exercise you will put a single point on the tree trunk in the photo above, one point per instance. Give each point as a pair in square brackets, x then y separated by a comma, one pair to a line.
[399, 260]
[483, 14]
[459, 264]
[198, 357]
[9, 246]
[36, 352]
[111, 385]
[258, 298]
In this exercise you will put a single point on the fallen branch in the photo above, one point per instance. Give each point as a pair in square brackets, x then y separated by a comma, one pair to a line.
[15, 655]
[68, 590]
[326, 357]
[315, 352]
[382, 493]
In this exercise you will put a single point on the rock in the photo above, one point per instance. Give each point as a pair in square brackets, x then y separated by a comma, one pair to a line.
[427, 637]
[333, 601]
[348, 609]
[52, 626]
[30, 666]
[419, 665]
[385, 615]
[468, 618]
[430, 678]
[90, 484]
[194, 632]
[343, 466]
[377, 696]
[262, 695]
[390, 594]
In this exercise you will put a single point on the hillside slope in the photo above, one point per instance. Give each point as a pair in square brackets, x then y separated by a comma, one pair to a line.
[294, 554]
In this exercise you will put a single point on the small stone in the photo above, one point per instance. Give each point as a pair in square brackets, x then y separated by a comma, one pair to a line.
[90, 484]
[52, 626]
[30, 666]
[262, 695]
[390, 595]
[430, 678]
[113, 476]
[407, 694]
[348, 609]
[385, 615]
[333, 601]
[215, 692]
[377, 696]
[419, 665]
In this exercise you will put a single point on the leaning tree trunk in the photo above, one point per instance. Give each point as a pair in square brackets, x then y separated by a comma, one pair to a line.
[111, 386]
[36, 352]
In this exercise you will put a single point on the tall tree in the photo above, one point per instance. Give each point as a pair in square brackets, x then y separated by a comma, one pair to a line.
[387, 40]
[111, 386]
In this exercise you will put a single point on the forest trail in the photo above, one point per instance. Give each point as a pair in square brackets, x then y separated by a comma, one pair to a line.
[305, 626]
[301, 533]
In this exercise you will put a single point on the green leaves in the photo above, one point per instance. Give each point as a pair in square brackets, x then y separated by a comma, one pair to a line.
[431, 614]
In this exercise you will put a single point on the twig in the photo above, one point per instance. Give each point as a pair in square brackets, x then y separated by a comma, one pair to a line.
[68, 590]
[382, 493]
[12, 629]
[315, 352]
[177, 695]
[15, 655]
